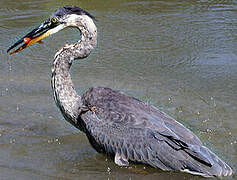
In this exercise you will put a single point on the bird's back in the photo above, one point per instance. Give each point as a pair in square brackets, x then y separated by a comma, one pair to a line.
[140, 132]
[115, 108]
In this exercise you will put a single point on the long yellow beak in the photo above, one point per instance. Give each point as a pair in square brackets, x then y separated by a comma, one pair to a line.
[36, 36]
[30, 42]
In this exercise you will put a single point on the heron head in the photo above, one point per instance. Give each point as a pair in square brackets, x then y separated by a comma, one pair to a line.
[63, 17]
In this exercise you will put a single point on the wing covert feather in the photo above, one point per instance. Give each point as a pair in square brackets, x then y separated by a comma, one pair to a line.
[116, 109]
[139, 132]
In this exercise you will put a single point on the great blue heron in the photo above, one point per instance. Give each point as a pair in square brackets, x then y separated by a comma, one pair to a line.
[118, 125]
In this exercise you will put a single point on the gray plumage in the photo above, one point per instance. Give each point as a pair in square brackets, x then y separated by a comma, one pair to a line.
[121, 126]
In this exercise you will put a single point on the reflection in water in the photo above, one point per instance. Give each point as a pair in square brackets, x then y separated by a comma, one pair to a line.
[178, 55]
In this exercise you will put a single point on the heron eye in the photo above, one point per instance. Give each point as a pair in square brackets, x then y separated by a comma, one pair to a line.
[54, 20]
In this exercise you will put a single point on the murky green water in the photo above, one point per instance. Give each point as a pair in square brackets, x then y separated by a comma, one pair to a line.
[178, 55]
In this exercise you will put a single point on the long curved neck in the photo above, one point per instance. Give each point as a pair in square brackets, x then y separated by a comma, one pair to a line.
[65, 96]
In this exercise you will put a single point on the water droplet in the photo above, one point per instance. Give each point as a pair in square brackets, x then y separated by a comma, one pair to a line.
[108, 170]
[12, 141]
[74, 171]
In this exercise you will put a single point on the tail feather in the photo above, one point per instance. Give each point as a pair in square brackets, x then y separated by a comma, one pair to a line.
[171, 153]
[212, 165]
[220, 168]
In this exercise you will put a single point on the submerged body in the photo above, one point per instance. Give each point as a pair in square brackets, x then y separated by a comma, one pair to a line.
[135, 131]
[122, 126]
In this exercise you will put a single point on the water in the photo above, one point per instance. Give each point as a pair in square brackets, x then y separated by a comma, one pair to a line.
[177, 55]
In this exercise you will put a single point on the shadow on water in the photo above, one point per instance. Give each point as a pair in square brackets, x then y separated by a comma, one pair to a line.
[177, 55]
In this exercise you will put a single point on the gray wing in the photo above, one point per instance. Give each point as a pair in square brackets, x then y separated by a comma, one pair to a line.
[136, 131]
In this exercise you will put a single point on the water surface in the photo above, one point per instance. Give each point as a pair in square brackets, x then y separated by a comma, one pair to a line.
[177, 55]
